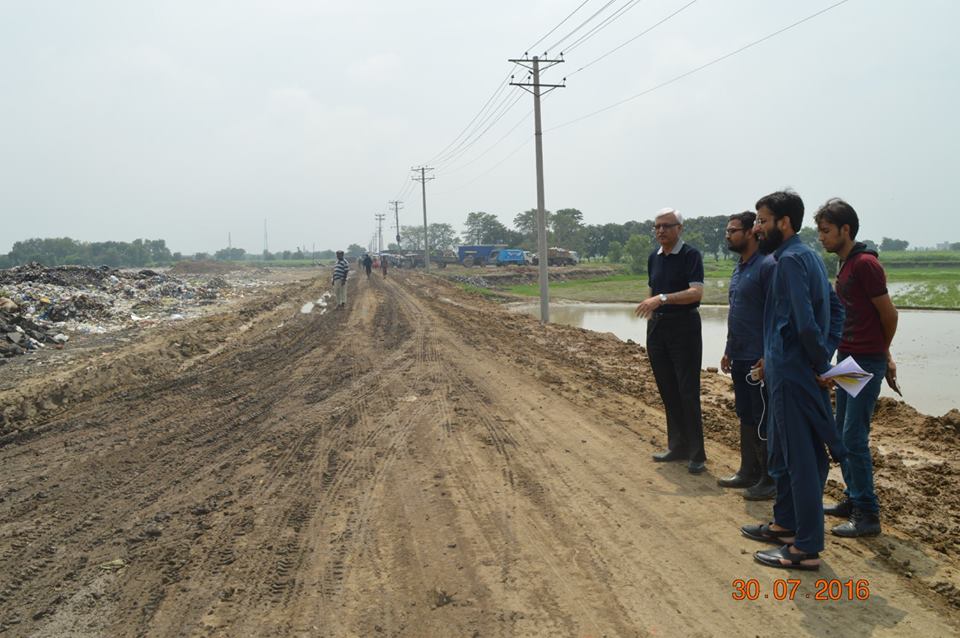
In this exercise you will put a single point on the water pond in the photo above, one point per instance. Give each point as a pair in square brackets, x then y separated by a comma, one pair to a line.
[926, 348]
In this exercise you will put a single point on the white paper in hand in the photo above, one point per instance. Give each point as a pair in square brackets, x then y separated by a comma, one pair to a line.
[849, 375]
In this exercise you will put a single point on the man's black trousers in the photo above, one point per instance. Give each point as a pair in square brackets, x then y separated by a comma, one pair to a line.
[675, 349]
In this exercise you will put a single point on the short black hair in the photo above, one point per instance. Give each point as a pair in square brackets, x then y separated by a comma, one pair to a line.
[840, 214]
[784, 204]
[747, 218]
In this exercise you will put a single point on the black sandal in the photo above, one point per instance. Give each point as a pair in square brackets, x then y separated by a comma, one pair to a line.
[764, 534]
[775, 558]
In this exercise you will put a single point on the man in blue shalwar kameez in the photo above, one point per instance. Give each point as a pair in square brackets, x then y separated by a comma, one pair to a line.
[802, 325]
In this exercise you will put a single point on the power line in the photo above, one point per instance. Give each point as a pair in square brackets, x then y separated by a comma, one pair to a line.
[507, 108]
[639, 35]
[491, 169]
[495, 114]
[606, 22]
[494, 145]
[503, 84]
[699, 68]
[580, 26]
[550, 32]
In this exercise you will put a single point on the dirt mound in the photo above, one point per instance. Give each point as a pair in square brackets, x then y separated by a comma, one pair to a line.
[518, 275]
[190, 267]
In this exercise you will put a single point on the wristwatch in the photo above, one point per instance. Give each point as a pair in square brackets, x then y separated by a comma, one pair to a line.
[663, 298]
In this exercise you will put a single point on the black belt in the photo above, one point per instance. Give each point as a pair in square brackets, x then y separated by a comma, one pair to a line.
[675, 313]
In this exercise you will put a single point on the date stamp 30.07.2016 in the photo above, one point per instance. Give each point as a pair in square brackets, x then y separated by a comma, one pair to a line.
[790, 589]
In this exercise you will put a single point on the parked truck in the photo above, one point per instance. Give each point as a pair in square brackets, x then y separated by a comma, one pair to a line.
[438, 258]
[559, 257]
[508, 257]
[477, 255]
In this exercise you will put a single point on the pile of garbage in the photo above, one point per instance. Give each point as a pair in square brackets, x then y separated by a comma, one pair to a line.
[38, 305]
[475, 280]
[19, 334]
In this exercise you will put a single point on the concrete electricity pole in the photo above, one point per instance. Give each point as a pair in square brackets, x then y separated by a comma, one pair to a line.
[542, 250]
[379, 217]
[426, 233]
[396, 217]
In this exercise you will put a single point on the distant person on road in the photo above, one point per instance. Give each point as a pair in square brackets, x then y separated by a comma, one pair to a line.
[383, 265]
[367, 264]
[868, 330]
[340, 271]
[802, 322]
[674, 338]
[744, 350]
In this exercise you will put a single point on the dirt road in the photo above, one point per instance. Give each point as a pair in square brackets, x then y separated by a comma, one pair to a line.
[402, 468]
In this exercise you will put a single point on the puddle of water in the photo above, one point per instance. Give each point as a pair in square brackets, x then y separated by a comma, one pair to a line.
[926, 347]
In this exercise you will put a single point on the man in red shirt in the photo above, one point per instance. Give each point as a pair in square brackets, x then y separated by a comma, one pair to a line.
[868, 330]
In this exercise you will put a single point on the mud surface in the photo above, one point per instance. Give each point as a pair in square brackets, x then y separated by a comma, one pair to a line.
[422, 464]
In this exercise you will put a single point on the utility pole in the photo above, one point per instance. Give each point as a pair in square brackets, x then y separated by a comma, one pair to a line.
[426, 233]
[379, 217]
[396, 217]
[265, 250]
[542, 250]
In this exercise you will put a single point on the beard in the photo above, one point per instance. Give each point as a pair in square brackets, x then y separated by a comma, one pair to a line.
[734, 248]
[771, 241]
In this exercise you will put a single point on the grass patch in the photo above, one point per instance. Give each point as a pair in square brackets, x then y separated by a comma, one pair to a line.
[930, 295]
[614, 288]
[895, 258]
[932, 286]
[922, 275]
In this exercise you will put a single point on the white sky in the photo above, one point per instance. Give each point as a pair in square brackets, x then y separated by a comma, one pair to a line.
[188, 120]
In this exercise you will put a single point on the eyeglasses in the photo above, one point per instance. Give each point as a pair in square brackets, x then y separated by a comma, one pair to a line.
[657, 227]
[731, 231]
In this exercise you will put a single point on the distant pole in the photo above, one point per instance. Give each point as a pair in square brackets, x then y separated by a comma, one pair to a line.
[380, 217]
[542, 249]
[426, 233]
[396, 217]
[265, 248]
[229, 242]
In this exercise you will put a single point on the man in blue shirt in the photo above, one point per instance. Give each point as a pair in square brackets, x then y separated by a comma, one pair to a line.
[802, 325]
[744, 350]
[674, 338]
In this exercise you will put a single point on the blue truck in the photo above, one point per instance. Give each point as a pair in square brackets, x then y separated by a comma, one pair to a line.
[509, 257]
[477, 255]
[491, 255]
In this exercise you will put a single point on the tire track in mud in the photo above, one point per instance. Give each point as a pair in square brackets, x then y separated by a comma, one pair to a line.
[383, 429]
[593, 554]
[113, 484]
[288, 480]
[516, 525]
[329, 488]
[497, 526]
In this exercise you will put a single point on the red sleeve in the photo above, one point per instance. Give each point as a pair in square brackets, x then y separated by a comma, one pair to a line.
[870, 275]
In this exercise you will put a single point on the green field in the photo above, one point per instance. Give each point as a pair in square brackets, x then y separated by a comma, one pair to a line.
[625, 287]
[934, 279]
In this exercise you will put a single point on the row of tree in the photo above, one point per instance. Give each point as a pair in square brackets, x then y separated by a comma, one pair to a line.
[60, 251]
[629, 242]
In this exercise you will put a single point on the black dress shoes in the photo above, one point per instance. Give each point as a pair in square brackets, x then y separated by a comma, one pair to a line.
[764, 490]
[843, 509]
[670, 455]
[860, 524]
[737, 480]
[696, 467]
